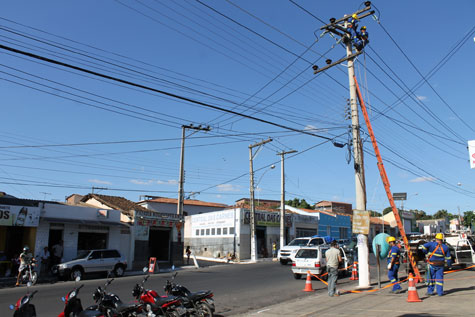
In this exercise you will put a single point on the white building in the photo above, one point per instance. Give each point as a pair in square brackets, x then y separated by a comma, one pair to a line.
[190, 206]
[219, 233]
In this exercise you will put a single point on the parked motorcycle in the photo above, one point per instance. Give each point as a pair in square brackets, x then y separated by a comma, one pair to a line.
[108, 305]
[152, 304]
[72, 303]
[199, 303]
[23, 307]
[29, 274]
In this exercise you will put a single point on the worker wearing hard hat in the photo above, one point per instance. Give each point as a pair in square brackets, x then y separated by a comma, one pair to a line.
[362, 38]
[352, 28]
[393, 265]
[439, 254]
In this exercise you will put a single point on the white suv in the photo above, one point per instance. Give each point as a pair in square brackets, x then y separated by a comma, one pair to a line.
[92, 261]
[287, 253]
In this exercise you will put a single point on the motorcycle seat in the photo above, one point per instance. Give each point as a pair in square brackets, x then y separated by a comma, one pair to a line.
[199, 295]
[125, 307]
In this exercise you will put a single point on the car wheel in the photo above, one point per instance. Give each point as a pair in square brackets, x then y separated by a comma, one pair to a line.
[119, 270]
[283, 262]
[297, 276]
[75, 273]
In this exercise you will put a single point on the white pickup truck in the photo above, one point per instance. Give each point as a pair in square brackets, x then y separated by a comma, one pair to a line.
[287, 253]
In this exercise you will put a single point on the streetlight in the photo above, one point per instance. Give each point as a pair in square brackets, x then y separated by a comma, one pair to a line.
[259, 181]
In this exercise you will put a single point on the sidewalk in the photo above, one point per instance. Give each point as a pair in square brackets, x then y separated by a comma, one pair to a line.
[458, 301]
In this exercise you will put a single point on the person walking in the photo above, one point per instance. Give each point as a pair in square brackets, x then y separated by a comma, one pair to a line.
[333, 261]
[439, 254]
[188, 253]
[393, 265]
[274, 249]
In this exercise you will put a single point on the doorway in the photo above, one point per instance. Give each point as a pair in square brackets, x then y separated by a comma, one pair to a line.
[261, 242]
[159, 244]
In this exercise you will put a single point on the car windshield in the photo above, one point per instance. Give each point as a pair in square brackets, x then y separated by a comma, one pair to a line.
[307, 253]
[298, 242]
[82, 254]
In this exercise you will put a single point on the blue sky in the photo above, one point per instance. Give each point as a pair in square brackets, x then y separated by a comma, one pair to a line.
[186, 48]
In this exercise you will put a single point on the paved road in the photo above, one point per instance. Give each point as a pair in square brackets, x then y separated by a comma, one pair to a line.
[237, 287]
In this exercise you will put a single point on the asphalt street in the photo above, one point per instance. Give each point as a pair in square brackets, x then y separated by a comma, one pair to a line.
[238, 288]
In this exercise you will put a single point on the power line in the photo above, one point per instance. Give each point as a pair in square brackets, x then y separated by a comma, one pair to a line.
[49, 60]
[424, 78]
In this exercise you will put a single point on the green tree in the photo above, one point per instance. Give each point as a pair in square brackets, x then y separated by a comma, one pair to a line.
[297, 203]
[469, 218]
[442, 213]
[373, 213]
[388, 210]
[421, 215]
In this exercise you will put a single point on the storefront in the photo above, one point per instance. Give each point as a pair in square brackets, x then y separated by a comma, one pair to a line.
[19, 219]
[221, 233]
[157, 235]
[81, 228]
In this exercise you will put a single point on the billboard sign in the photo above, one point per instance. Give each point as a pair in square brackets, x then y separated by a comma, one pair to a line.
[400, 196]
[471, 151]
[19, 216]
[361, 221]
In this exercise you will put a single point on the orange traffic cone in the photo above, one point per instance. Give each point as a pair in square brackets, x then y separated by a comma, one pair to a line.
[308, 284]
[412, 297]
[354, 273]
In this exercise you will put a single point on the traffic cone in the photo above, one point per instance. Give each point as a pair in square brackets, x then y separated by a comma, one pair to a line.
[308, 284]
[354, 273]
[412, 297]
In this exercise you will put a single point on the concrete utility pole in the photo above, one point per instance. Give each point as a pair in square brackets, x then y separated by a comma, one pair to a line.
[360, 186]
[282, 197]
[179, 208]
[335, 27]
[252, 222]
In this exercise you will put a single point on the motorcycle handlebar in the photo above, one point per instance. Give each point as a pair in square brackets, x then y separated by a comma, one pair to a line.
[77, 289]
[34, 292]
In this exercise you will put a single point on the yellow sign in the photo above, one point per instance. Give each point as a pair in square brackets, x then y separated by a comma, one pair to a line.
[361, 221]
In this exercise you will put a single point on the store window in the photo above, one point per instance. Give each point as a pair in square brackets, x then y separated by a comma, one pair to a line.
[218, 231]
[197, 232]
[225, 230]
[202, 232]
[231, 230]
[305, 232]
[213, 231]
[92, 240]
[207, 232]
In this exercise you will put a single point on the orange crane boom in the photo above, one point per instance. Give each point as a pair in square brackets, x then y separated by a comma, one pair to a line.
[384, 178]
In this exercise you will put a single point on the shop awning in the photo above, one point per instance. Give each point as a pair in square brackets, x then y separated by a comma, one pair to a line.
[83, 222]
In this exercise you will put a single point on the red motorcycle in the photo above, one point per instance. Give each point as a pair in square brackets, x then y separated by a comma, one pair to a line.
[72, 303]
[23, 307]
[152, 304]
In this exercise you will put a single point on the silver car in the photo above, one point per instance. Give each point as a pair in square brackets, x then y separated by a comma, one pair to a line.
[93, 261]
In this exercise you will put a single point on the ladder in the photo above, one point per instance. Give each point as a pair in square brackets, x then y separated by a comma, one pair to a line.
[385, 180]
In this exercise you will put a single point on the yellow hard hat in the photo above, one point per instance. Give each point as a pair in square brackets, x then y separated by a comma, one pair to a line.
[391, 239]
[439, 236]
[363, 27]
[354, 16]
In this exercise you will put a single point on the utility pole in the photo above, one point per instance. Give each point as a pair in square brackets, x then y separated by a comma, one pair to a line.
[179, 209]
[340, 28]
[252, 222]
[282, 197]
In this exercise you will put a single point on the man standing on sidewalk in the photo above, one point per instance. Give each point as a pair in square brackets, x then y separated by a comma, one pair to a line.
[439, 254]
[393, 265]
[333, 260]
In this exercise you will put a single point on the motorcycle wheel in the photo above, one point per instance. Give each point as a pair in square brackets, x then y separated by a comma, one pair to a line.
[204, 310]
[34, 277]
[172, 314]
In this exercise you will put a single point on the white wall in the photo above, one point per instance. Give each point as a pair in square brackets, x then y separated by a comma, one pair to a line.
[171, 208]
